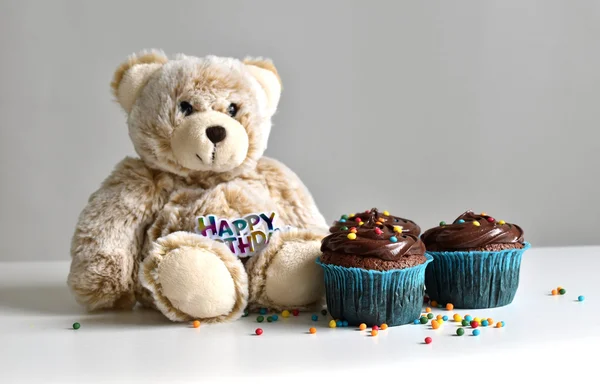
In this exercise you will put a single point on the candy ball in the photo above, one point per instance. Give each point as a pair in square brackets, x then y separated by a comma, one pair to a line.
[339, 323]
[430, 315]
[270, 319]
[474, 324]
[295, 312]
[285, 313]
[460, 221]
[344, 323]
[312, 330]
[375, 327]
[315, 317]
[324, 312]
[428, 340]
[502, 322]
[581, 298]
[417, 321]
[434, 303]
[490, 321]
[386, 213]
[275, 317]
[457, 318]
[423, 320]
[352, 236]
[439, 317]
[476, 332]
[384, 326]
[476, 223]
[477, 319]
[445, 318]
[449, 306]
[554, 292]
[394, 239]
[460, 331]
[260, 319]
[196, 324]
[259, 331]
[498, 325]
[374, 332]
[465, 323]
[76, 325]
[427, 309]
[442, 223]
[363, 326]
[263, 311]
[562, 291]
[435, 324]
[332, 324]
[501, 222]
[344, 228]
[246, 313]
[484, 323]
[468, 318]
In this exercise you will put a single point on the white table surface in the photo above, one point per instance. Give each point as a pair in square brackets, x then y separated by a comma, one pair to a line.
[549, 338]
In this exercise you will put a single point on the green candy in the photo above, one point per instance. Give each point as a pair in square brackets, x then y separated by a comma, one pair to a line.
[324, 312]
[345, 217]
[76, 325]
[260, 319]
[442, 223]
[430, 315]
[465, 323]
[423, 320]
[344, 228]
[246, 313]
[270, 319]
[460, 331]
[562, 291]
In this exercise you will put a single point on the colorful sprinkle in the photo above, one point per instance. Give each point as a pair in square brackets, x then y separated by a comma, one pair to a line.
[358, 219]
[344, 323]
[442, 223]
[460, 331]
[363, 326]
[449, 306]
[361, 223]
[435, 324]
[312, 330]
[393, 239]
[260, 319]
[285, 313]
[275, 317]
[352, 236]
[339, 324]
[465, 323]
[460, 221]
[269, 319]
[351, 215]
[476, 332]
[353, 229]
[499, 325]
[445, 318]
[554, 292]
[378, 231]
[490, 219]
[344, 217]
[374, 332]
[295, 312]
[397, 228]
[562, 291]
[76, 325]
[324, 312]
[476, 223]
[344, 228]
[386, 213]
[474, 324]
[581, 298]
[428, 310]
[501, 222]
[430, 315]
[332, 324]
[196, 324]
[434, 303]
[417, 321]
[384, 326]
[468, 317]
[484, 323]
[263, 311]
[258, 331]
[428, 340]
[342, 220]
[315, 318]
[423, 320]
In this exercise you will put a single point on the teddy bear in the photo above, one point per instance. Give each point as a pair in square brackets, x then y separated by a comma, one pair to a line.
[201, 226]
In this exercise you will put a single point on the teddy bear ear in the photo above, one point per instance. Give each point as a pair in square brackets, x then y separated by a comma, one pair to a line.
[132, 75]
[265, 72]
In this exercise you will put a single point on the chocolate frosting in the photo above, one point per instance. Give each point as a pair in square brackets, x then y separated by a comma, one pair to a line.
[373, 216]
[466, 235]
[374, 240]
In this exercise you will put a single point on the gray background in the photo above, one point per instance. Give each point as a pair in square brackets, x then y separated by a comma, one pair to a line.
[425, 109]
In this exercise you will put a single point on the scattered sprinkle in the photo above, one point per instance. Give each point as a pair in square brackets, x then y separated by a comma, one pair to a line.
[378, 231]
[263, 311]
[449, 306]
[393, 239]
[76, 325]
[430, 315]
[476, 332]
[460, 331]
[581, 298]
[313, 330]
[457, 318]
[428, 340]
[352, 236]
[423, 320]
[562, 291]
[374, 332]
[285, 313]
[315, 317]
[442, 223]
[476, 223]
[332, 324]
[259, 331]
[501, 222]
[363, 326]
[260, 319]
[196, 324]
[428, 310]
[384, 326]
[435, 324]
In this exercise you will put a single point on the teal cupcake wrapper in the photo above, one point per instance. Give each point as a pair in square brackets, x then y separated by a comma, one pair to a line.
[358, 296]
[476, 279]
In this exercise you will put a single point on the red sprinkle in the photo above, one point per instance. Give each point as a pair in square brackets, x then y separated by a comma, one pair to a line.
[295, 312]
[259, 331]
[474, 324]
[428, 340]
[376, 328]
[378, 231]
[358, 219]
[490, 219]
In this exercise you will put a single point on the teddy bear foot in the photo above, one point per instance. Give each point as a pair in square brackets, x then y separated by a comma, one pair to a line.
[191, 277]
[285, 275]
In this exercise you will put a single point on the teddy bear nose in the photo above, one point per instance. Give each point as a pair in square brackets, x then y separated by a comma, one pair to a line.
[216, 134]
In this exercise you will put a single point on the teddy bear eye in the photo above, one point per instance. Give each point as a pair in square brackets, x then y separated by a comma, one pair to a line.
[186, 108]
[232, 109]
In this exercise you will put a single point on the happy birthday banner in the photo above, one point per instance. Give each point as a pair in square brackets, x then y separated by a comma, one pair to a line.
[244, 236]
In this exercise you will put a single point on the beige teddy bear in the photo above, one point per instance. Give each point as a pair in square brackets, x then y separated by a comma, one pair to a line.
[201, 225]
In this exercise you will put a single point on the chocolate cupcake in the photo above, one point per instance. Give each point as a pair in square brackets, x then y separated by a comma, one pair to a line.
[374, 271]
[476, 261]
[374, 217]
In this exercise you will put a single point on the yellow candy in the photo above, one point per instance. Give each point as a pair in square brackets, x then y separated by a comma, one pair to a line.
[397, 228]
[351, 215]
[285, 313]
[361, 223]
[457, 318]
[352, 236]
[476, 223]
[478, 320]
[386, 213]
[332, 324]
[502, 222]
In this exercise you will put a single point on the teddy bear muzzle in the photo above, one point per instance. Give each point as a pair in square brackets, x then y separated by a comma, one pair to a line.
[210, 141]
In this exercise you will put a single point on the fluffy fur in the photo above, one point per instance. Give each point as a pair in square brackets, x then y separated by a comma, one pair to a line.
[134, 240]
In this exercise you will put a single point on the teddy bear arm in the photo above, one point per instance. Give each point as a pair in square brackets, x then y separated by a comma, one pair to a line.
[109, 235]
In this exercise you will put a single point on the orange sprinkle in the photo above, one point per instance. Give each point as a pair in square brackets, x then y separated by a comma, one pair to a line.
[435, 324]
[490, 321]
[312, 330]
[374, 332]
[383, 326]
[434, 303]
[559, 288]
[449, 306]
[499, 324]
[554, 292]
[439, 317]
[362, 327]
[196, 323]
[428, 310]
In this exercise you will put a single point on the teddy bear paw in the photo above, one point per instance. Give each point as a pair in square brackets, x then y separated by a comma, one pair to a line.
[191, 277]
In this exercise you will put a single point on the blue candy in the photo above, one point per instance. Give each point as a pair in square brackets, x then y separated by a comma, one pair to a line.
[344, 323]
[502, 323]
[445, 318]
[315, 317]
[275, 317]
[460, 221]
[393, 239]
[484, 323]
[263, 311]
[339, 323]
[417, 321]
[342, 220]
[468, 318]
[476, 332]
[581, 298]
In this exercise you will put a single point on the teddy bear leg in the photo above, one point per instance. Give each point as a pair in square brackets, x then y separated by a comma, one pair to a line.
[194, 278]
[285, 275]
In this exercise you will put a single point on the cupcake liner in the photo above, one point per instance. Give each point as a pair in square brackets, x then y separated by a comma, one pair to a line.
[476, 279]
[358, 296]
